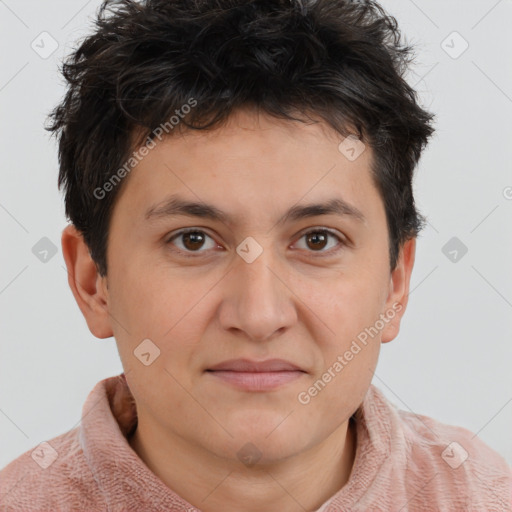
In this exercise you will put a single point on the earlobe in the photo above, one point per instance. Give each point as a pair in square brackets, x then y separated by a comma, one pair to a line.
[398, 297]
[86, 283]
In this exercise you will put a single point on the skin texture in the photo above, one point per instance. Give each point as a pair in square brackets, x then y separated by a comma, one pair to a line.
[290, 303]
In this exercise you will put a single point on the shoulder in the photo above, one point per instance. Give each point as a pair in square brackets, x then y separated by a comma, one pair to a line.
[454, 465]
[422, 461]
[53, 475]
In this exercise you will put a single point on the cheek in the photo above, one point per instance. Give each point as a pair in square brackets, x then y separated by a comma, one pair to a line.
[348, 304]
[148, 298]
[173, 311]
[349, 356]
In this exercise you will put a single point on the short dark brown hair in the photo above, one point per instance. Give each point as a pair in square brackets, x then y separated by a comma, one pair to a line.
[339, 61]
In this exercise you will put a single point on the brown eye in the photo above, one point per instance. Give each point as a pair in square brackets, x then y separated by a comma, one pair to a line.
[317, 240]
[192, 240]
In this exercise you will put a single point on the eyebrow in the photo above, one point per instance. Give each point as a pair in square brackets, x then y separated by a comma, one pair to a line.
[177, 206]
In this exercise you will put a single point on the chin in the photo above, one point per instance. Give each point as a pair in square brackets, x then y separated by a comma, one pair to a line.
[268, 445]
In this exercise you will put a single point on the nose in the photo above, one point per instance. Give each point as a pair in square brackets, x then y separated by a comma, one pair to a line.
[258, 300]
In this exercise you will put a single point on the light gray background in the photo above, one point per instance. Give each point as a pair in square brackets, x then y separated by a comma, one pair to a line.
[452, 358]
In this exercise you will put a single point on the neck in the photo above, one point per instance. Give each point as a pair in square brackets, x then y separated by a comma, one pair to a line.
[302, 482]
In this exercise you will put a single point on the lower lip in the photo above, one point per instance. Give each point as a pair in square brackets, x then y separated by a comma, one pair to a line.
[256, 381]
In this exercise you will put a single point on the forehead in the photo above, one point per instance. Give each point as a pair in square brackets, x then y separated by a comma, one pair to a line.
[247, 127]
[254, 163]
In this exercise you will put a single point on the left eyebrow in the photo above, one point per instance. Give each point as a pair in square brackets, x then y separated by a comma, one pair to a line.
[175, 205]
[335, 206]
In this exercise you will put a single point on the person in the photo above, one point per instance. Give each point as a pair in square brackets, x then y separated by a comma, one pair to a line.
[238, 180]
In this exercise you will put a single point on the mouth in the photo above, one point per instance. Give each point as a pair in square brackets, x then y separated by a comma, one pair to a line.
[250, 375]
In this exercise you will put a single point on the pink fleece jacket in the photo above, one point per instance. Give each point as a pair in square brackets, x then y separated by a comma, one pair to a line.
[404, 462]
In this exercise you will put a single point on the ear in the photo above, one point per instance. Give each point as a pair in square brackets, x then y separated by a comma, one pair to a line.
[398, 296]
[88, 287]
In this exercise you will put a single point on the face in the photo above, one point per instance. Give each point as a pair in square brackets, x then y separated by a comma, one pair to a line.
[255, 276]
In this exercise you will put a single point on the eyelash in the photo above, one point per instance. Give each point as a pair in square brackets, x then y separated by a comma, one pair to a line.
[195, 254]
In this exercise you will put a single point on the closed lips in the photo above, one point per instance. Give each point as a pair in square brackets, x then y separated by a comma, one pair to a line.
[248, 366]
